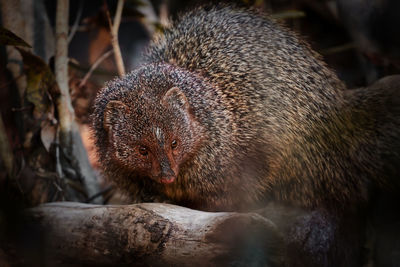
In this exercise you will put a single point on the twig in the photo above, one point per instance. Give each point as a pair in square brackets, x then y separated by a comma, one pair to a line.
[289, 14]
[21, 109]
[114, 36]
[94, 66]
[338, 49]
[102, 192]
[76, 22]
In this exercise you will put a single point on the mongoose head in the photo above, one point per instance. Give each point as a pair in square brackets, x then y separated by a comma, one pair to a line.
[152, 136]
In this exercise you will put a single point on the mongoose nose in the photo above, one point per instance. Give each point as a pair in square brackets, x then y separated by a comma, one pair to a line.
[167, 173]
[167, 180]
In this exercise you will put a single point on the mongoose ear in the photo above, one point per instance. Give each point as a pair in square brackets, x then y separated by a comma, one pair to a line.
[112, 113]
[176, 97]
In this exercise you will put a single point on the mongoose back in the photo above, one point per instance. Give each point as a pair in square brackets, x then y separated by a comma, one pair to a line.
[230, 110]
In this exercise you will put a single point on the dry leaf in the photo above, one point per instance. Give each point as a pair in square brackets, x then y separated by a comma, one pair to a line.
[41, 84]
[9, 38]
[48, 134]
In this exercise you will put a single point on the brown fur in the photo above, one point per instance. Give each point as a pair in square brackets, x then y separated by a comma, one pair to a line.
[257, 115]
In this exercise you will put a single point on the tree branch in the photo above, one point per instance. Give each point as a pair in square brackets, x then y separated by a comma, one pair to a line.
[114, 27]
[94, 66]
[153, 234]
[70, 139]
[66, 112]
[76, 22]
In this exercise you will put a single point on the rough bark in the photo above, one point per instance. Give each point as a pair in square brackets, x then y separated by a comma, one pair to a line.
[152, 234]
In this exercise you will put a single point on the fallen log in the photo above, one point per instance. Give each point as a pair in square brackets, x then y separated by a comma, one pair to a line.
[151, 234]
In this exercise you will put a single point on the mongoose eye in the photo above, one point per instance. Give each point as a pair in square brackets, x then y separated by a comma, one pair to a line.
[174, 143]
[143, 150]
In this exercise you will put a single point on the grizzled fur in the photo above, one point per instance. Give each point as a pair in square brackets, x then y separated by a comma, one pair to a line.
[256, 114]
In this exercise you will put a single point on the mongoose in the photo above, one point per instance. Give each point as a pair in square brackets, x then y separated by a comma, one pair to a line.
[230, 110]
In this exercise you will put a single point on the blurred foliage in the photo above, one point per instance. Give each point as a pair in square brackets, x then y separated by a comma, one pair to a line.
[34, 166]
[41, 87]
